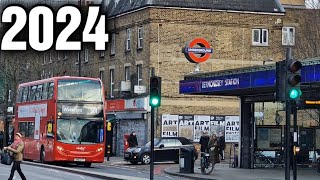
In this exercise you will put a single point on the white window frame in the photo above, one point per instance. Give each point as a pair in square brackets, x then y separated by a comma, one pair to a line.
[128, 39]
[139, 69]
[44, 58]
[113, 44]
[262, 40]
[140, 37]
[50, 57]
[127, 73]
[102, 53]
[86, 55]
[101, 75]
[111, 71]
[78, 58]
[288, 36]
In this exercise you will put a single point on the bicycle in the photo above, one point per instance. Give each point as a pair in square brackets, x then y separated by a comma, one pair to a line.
[206, 165]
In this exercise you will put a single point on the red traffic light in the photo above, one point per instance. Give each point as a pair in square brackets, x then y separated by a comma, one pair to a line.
[295, 66]
[294, 80]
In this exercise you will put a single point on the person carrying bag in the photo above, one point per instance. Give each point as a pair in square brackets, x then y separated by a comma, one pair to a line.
[17, 148]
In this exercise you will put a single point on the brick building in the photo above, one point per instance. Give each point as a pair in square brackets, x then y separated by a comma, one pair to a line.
[151, 34]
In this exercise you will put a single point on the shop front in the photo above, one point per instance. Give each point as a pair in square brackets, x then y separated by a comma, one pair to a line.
[126, 116]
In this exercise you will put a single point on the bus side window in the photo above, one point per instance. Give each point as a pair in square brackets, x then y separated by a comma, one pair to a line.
[50, 90]
[45, 91]
[23, 128]
[33, 92]
[25, 94]
[31, 129]
[39, 92]
[19, 95]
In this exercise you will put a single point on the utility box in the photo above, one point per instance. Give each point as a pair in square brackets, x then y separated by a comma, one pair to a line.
[186, 160]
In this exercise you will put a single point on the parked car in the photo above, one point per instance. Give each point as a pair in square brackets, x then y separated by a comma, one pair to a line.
[165, 149]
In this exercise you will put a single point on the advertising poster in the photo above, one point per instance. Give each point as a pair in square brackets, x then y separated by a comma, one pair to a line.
[217, 125]
[186, 126]
[232, 129]
[201, 124]
[269, 138]
[169, 125]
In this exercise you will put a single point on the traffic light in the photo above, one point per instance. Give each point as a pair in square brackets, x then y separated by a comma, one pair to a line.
[281, 77]
[155, 91]
[293, 80]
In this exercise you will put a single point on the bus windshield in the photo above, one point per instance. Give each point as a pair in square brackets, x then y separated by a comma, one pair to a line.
[80, 131]
[79, 90]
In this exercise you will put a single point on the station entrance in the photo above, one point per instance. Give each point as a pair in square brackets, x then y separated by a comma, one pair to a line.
[262, 119]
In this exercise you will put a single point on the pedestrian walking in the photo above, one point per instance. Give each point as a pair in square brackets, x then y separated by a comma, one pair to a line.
[222, 145]
[17, 148]
[214, 149]
[204, 140]
[132, 140]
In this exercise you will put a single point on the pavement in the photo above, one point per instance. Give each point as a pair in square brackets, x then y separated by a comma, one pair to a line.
[222, 171]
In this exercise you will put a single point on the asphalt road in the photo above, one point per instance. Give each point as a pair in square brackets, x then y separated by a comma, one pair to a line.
[39, 173]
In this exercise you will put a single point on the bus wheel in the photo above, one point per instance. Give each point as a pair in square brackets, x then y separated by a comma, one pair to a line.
[42, 155]
[87, 165]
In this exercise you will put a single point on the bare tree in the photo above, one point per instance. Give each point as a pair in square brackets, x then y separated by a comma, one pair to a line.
[308, 37]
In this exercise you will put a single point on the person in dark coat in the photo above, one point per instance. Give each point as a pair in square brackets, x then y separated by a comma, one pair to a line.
[214, 149]
[204, 140]
[222, 145]
[132, 140]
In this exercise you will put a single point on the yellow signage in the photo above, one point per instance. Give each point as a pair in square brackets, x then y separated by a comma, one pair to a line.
[49, 127]
[312, 102]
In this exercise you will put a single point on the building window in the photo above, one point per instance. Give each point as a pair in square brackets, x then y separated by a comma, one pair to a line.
[140, 37]
[260, 37]
[128, 39]
[111, 82]
[50, 57]
[102, 54]
[78, 58]
[139, 73]
[101, 75]
[113, 44]
[86, 55]
[288, 36]
[127, 73]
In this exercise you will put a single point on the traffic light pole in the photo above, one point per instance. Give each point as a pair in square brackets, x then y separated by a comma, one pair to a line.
[152, 136]
[287, 141]
[295, 141]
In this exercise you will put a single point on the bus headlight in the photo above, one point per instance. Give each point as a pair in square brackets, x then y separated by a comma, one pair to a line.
[60, 148]
[99, 149]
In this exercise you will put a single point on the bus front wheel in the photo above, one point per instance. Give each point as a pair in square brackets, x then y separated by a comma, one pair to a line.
[87, 165]
[42, 155]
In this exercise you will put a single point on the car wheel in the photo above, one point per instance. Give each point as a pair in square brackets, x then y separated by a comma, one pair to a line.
[134, 162]
[87, 165]
[145, 158]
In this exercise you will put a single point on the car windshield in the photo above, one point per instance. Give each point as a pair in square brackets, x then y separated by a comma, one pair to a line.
[80, 131]
[79, 90]
[156, 141]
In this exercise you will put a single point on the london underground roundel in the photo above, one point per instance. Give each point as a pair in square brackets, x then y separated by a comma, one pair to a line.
[197, 50]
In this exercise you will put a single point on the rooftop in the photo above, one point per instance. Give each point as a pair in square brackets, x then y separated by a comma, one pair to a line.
[116, 7]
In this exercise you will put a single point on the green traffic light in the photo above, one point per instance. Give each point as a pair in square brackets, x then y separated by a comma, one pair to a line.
[154, 101]
[294, 93]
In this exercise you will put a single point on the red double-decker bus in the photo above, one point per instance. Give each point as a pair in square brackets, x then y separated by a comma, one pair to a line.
[63, 119]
